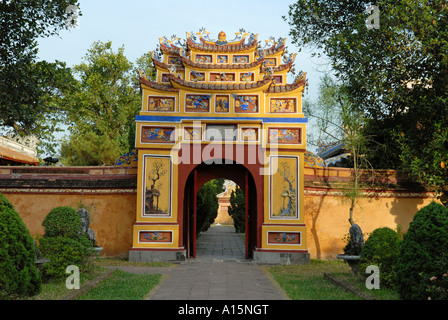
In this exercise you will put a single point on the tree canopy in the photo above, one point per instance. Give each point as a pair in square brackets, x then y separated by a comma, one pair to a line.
[396, 74]
[103, 107]
[28, 86]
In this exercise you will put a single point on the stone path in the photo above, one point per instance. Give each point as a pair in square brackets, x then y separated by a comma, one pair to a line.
[219, 272]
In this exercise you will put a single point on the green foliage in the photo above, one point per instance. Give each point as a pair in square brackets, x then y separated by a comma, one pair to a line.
[63, 243]
[5, 202]
[62, 252]
[103, 107]
[62, 221]
[237, 210]
[423, 253]
[90, 149]
[207, 204]
[382, 249]
[29, 88]
[397, 74]
[19, 276]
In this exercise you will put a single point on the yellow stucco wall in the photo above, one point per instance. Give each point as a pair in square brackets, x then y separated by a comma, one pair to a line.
[112, 216]
[326, 218]
[113, 212]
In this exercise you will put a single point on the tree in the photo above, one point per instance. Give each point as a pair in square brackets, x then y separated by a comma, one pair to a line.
[27, 87]
[339, 121]
[397, 74]
[237, 209]
[104, 107]
[207, 204]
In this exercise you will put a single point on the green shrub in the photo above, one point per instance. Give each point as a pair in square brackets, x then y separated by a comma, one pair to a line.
[382, 249]
[19, 276]
[62, 221]
[237, 210]
[423, 252]
[62, 252]
[64, 243]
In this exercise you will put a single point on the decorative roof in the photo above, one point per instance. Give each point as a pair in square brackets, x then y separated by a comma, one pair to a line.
[243, 42]
[224, 86]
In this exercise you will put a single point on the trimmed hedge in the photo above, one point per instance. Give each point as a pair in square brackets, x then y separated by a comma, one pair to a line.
[382, 249]
[19, 276]
[424, 252]
[64, 243]
[62, 221]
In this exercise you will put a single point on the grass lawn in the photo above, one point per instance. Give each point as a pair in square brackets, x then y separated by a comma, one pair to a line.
[56, 289]
[307, 282]
[123, 286]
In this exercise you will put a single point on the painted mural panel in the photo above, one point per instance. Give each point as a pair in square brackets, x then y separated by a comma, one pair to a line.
[285, 135]
[284, 187]
[156, 236]
[154, 134]
[165, 77]
[175, 60]
[197, 76]
[157, 185]
[284, 238]
[197, 103]
[247, 76]
[246, 103]
[222, 76]
[249, 134]
[222, 58]
[240, 58]
[278, 79]
[283, 105]
[222, 103]
[192, 133]
[156, 103]
[270, 62]
[204, 58]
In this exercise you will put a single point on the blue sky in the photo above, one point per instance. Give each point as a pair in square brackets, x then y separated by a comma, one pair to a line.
[138, 24]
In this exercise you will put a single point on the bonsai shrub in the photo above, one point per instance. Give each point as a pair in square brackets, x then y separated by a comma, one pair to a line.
[64, 243]
[423, 252]
[382, 249]
[19, 276]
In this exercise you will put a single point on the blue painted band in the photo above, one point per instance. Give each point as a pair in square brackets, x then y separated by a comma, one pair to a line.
[179, 119]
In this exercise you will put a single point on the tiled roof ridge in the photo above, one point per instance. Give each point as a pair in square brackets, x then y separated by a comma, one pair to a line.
[193, 64]
[166, 66]
[209, 47]
[223, 86]
[157, 86]
[286, 87]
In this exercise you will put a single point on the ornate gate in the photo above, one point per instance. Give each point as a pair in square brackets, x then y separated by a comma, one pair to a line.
[220, 108]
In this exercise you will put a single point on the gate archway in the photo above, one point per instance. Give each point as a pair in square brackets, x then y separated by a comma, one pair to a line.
[244, 179]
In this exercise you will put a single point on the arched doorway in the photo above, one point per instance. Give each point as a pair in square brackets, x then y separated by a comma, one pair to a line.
[197, 177]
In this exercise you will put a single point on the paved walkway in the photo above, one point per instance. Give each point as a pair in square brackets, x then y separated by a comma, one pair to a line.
[219, 272]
